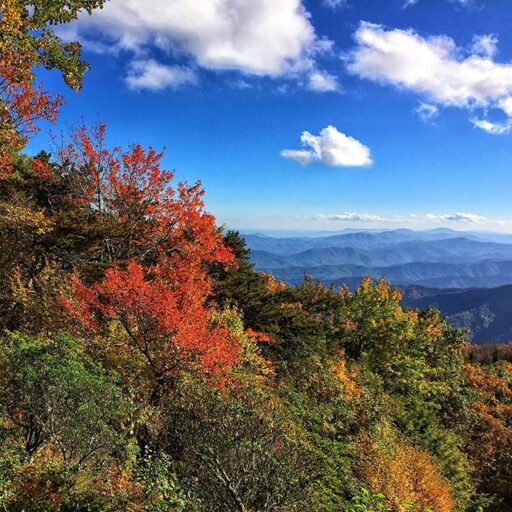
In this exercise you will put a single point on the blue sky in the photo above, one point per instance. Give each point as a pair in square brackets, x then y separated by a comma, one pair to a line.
[320, 115]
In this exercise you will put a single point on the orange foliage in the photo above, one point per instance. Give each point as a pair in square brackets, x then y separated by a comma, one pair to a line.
[22, 103]
[259, 337]
[160, 298]
[273, 285]
[404, 474]
[490, 437]
[347, 377]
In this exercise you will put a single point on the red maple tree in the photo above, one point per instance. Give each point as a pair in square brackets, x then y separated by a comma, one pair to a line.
[156, 291]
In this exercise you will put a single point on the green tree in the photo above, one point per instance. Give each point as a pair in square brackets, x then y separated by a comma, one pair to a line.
[237, 450]
[54, 395]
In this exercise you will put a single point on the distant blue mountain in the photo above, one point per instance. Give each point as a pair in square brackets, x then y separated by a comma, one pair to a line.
[467, 275]
[486, 313]
[441, 257]
[367, 240]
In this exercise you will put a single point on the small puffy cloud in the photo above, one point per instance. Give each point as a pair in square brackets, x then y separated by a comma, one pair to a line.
[351, 217]
[434, 67]
[427, 111]
[260, 38]
[486, 45]
[331, 147]
[150, 74]
[321, 81]
[333, 4]
[491, 127]
[457, 217]
[409, 3]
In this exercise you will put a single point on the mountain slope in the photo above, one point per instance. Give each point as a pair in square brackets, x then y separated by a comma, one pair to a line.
[438, 275]
[485, 312]
[440, 258]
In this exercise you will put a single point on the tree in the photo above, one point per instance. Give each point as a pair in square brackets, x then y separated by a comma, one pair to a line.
[403, 474]
[53, 394]
[298, 319]
[489, 441]
[237, 450]
[413, 362]
[27, 41]
[153, 296]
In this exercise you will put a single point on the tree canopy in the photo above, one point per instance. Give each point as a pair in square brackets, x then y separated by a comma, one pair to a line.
[146, 366]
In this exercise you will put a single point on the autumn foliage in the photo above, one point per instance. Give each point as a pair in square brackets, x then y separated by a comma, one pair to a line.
[210, 372]
[145, 366]
[404, 474]
[26, 43]
[157, 287]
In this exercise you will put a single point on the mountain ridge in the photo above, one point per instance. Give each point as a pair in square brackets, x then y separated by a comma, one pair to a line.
[467, 275]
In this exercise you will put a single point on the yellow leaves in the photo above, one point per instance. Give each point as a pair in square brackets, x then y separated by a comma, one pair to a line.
[434, 328]
[347, 378]
[387, 292]
[21, 224]
[251, 364]
[273, 285]
[345, 292]
[17, 217]
[403, 473]
[366, 283]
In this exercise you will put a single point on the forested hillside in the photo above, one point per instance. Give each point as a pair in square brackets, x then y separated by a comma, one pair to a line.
[146, 366]
[484, 312]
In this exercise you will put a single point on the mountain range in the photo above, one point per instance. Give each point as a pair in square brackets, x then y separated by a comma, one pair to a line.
[436, 258]
[467, 275]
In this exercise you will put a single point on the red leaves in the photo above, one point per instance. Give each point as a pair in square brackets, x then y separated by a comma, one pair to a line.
[21, 106]
[41, 169]
[132, 188]
[260, 337]
[160, 303]
[172, 330]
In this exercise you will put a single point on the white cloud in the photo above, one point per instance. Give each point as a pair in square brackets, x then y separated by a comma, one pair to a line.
[321, 81]
[408, 3]
[351, 217]
[427, 111]
[457, 217]
[491, 127]
[506, 105]
[486, 45]
[400, 220]
[304, 157]
[240, 84]
[258, 37]
[149, 74]
[433, 67]
[333, 4]
[330, 147]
